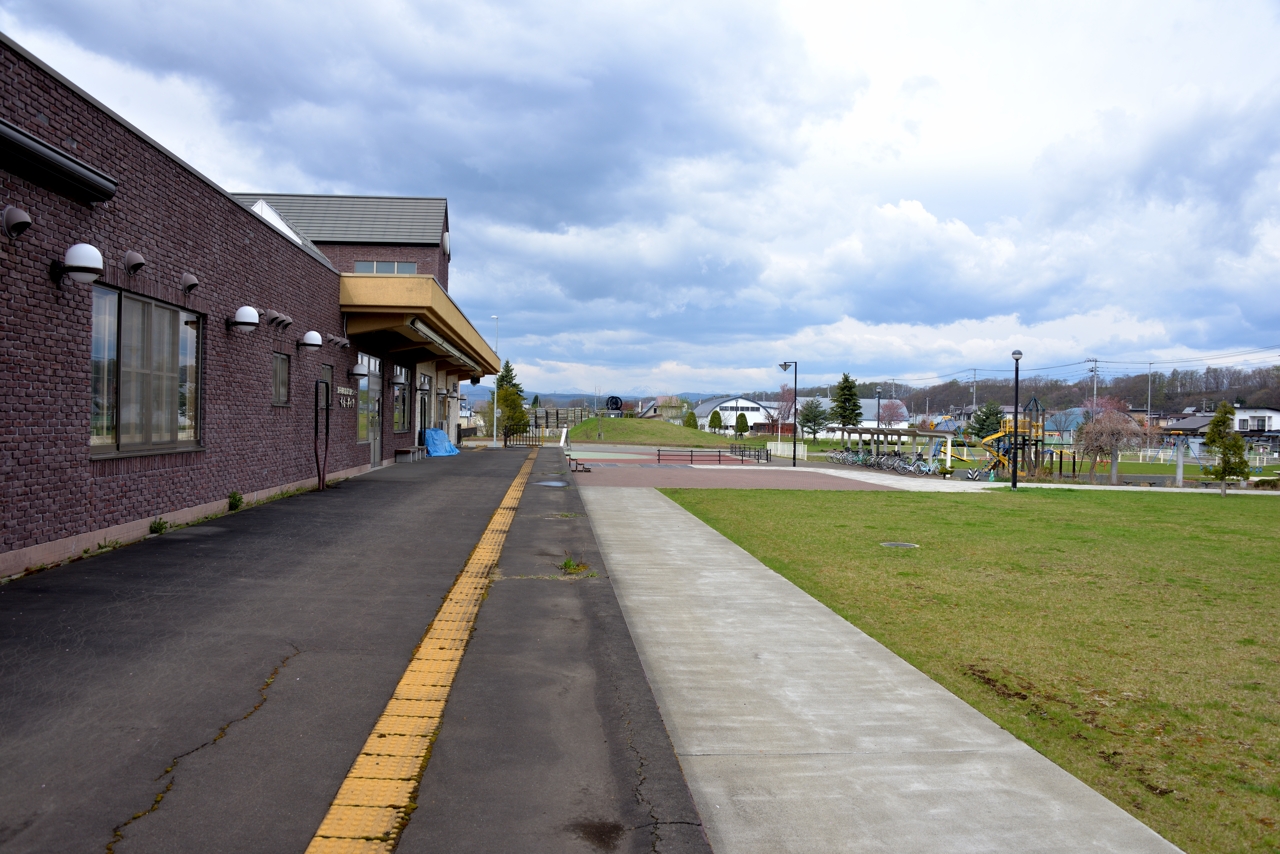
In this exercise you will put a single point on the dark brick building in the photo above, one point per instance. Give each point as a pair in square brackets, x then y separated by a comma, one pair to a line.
[127, 393]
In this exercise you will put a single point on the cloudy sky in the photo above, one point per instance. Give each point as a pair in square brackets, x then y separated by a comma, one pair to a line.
[677, 196]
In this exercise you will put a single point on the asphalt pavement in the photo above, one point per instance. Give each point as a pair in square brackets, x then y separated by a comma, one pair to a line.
[208, 689]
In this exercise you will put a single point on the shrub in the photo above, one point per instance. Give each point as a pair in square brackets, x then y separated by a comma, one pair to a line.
[234, 502]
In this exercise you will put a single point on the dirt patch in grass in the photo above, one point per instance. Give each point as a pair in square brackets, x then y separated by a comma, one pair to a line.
[1131, 638]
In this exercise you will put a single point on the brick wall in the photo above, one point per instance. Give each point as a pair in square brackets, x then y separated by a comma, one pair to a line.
[181, 223]
[430, 259]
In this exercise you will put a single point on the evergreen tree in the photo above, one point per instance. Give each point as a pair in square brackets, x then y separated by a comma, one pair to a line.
[535, 403]
[846, 408]
[514, 421]
[740, 426]
[507, 379]
[1228, 445]
[986, 420]
[715, 422]
[691, 420]
[812, 417]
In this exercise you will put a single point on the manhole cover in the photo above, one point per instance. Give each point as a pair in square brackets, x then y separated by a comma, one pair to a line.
[900, 545]
[551, 483]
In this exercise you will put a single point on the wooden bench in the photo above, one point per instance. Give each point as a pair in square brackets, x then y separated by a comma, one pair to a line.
[416, 452]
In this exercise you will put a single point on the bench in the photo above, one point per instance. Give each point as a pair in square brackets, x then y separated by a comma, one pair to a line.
[416, 452]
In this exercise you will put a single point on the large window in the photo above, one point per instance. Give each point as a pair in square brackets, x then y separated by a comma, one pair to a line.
[368, 396]
[400, 400]
[145, 374]
[398, 268]
[279, 379]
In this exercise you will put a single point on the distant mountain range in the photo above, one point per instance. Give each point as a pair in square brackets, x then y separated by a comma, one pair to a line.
[562, 398]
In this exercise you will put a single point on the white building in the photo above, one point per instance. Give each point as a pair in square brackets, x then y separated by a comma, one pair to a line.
[757, 413]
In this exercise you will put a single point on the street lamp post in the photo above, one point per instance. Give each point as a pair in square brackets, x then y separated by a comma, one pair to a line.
[495, 381]
[795, 377]
[1017, 357]
[877, 442]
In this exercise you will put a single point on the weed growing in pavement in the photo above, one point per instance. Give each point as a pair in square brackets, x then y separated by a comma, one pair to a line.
[159, 525]
[570, 566]
[234, 502]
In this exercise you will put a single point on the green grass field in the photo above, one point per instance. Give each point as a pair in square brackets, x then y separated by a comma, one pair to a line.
[643, 431]
[1131, 638]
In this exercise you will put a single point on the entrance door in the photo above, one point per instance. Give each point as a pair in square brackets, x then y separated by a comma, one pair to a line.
[375, 420]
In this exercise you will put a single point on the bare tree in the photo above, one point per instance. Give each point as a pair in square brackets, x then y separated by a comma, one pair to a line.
[1108, 432]
[892, 411]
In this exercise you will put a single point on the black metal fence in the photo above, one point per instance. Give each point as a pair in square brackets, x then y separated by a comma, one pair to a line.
[695, 456]
[522, 440]
[748, 452]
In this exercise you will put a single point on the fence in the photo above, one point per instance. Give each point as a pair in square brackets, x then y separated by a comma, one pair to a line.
[759, 455]
[522, 440]
[690, 456]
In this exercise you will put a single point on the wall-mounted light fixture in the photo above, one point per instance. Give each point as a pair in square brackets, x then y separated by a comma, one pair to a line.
[475, 380]
[16, 221]
[339, 342]
[270, 316]
[424, 382]
[246, 320]
[82, 263]
[134, 262]
[285, 321]
[311, 341]
[189, 282]
[444, 245]
[360, 371]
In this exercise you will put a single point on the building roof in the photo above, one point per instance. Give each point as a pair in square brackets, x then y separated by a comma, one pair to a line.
[1194, 424]
[359, 219]
[703, 410]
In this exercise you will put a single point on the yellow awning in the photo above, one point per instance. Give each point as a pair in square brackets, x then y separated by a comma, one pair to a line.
[421, 312]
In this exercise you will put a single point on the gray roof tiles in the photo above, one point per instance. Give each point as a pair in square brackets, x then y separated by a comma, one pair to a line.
[359, 219]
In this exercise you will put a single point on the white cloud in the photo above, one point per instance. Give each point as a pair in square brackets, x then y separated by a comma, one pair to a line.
[670, 195]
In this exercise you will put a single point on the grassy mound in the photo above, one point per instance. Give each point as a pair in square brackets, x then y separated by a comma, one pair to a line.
[642, 431]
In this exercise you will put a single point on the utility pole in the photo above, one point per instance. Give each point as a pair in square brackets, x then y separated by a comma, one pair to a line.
[975, 389]
[495, 381]
[1149, 364]
[1094, 370]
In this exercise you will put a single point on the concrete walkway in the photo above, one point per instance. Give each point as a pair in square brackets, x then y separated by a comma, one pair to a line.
[798, 733]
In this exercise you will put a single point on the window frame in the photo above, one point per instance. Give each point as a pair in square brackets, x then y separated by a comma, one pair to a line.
[184, 378]
[278, 359]
[396, 272]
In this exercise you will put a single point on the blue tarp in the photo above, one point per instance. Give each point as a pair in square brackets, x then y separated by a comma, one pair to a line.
[438, 444]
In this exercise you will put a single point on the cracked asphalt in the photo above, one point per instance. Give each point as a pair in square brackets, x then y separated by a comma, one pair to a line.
[207, 690]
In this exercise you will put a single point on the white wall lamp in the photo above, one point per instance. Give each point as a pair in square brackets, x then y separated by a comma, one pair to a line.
[82, 263]
[246, 320]
[359, 372]
[310, 342]
[134, 262]
[189, 282]
[16, 221]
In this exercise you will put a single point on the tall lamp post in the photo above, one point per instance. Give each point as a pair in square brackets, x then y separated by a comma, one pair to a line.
[1017, 357]
[877, 442]
[495, 380]
[795, 378]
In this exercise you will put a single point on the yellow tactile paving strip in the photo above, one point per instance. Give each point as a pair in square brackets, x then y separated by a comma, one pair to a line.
[377, 797]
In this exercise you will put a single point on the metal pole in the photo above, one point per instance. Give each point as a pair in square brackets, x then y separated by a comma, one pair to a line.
[1017, 358]
[495, 381]
[795, 398]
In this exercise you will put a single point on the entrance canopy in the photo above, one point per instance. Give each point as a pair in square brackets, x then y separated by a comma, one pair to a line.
[415, 317]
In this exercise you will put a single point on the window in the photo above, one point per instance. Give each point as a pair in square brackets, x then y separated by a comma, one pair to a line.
[279, 379]
[1260, 423]
[326, 376]
[400, 399]
[399, 268]
[1244, 423]
[367, 396]
[145, 374]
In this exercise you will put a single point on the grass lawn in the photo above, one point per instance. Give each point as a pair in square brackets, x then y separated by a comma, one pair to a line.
[643, 431]
[1131, 638]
